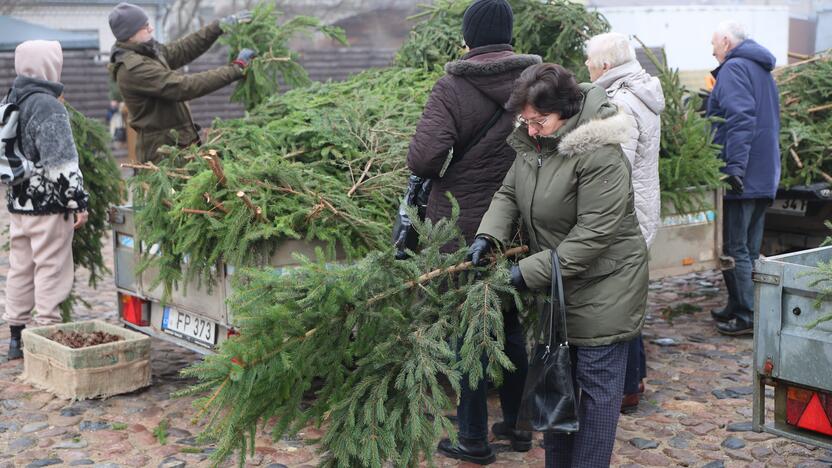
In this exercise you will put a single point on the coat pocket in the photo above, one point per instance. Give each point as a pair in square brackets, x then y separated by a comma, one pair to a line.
[601, 267]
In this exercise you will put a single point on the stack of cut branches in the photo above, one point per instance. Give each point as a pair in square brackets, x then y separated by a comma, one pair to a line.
[806, 120]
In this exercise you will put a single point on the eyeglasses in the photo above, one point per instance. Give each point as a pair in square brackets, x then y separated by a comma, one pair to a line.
[536, 123]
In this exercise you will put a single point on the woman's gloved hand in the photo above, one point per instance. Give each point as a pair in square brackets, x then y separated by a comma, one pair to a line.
[517, 278]
[478, 250]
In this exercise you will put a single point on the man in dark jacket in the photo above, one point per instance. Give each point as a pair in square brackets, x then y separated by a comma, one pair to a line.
[463, 102]
[745, 96]
[155, 94]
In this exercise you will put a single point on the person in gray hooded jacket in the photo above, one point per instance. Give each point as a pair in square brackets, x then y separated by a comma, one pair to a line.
[612, 64]
[47, 207]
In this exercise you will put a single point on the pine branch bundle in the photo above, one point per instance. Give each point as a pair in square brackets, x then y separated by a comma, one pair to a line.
[275, 61]
[806, 121]
[367, 350]
[555, 29]
[436, 39]
[325, 162]
[689, 160]
[102, 181]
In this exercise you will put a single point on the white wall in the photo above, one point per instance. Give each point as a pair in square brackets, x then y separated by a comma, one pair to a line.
[685, 31]
[75, 18]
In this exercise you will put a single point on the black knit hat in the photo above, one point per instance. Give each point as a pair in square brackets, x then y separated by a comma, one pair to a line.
[487, 22]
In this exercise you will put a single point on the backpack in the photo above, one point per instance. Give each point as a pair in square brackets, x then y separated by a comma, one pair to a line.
[15, 167]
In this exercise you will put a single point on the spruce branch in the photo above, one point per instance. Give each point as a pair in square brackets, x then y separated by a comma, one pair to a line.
[380, 363]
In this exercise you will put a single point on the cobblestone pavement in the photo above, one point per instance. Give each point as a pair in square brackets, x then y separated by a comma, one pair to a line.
[696, 410]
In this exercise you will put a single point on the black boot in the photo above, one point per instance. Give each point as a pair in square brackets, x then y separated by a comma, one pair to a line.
[521, 441]
[737, 326]
[722, 315]
[471, 450]
[16, 343]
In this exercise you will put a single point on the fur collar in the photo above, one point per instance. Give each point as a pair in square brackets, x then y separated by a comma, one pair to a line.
[491, 67]
[597, 133]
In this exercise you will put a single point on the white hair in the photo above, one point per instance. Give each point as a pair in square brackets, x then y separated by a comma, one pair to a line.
[734, 31]
[611, 48]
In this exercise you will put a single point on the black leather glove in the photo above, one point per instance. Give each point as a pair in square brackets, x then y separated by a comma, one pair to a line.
[244, 58]
[478, 250]
[237, 18]
[736, 184]
[517, 278]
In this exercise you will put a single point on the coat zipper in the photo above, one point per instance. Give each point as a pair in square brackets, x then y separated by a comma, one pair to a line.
[533, 230]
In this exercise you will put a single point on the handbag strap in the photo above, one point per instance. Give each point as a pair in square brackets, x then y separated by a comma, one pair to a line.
[556, 331]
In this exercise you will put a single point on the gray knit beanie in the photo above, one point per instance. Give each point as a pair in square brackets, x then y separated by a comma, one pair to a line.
[126, 20]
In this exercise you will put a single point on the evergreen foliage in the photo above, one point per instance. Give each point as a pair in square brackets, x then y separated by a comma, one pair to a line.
[366, 349]
[554, 29]
[102, 181]
[689, 160]
[275, 61]
[557, 31]
[806, 121]
[436, 39]
[822, 279]
[325, 162]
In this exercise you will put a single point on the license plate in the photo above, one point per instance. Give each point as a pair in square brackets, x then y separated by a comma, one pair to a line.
[189, 326]
[789, 207]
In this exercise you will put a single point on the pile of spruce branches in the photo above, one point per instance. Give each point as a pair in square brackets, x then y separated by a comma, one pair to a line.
[806, 121]
[325, 162]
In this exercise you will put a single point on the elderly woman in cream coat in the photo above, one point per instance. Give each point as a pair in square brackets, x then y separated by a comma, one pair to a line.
[612, 64]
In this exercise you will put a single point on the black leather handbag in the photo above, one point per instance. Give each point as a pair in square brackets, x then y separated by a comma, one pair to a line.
[418, 191]
[549, 400]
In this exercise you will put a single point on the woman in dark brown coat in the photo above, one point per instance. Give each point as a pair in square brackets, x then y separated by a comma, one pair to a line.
[463, 102]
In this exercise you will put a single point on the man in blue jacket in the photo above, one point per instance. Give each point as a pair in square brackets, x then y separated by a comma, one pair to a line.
[745, 97]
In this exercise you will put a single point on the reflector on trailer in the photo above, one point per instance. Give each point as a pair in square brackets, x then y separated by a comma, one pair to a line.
[135, 310]
[814, 417]
[809, 409]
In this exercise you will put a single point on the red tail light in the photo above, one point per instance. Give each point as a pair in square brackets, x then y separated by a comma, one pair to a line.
[809, 409]
[135, 310]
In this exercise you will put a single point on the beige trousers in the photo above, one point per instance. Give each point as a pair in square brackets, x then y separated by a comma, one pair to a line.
[40, 268]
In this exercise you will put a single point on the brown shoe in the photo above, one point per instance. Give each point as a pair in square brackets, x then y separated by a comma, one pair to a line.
[629, 404]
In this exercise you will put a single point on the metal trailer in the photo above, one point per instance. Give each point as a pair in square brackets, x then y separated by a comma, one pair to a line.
[796, 219]
[194, 317]
[795, 360]
[689, 242]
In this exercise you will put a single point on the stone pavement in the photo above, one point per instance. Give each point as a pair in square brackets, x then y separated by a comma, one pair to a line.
[696, 409]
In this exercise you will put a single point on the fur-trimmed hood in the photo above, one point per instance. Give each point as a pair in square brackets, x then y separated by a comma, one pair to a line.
[491, 62]
[597, 133]
[486, 69]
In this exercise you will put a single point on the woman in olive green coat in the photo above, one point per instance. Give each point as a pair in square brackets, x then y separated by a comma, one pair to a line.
[570, 186]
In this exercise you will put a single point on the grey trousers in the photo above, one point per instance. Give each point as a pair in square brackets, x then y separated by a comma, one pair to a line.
[40, 268]
[598, 372]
